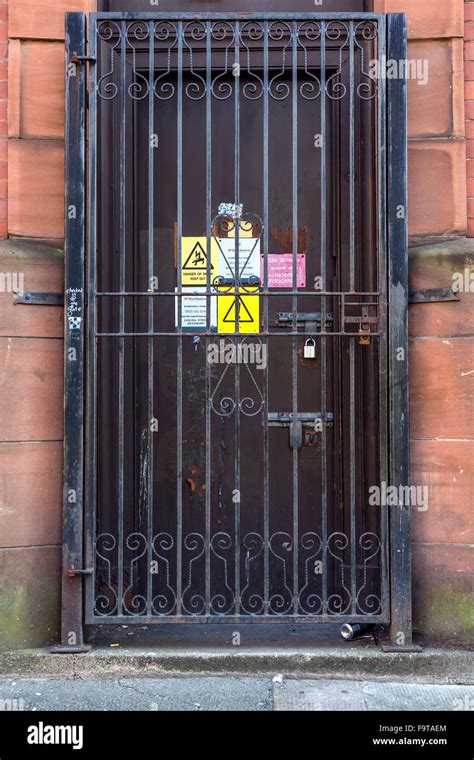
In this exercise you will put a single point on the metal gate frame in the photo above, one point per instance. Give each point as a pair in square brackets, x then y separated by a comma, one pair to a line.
[76, 59]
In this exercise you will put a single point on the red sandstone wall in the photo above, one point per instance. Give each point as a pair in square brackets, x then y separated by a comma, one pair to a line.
[442, 347]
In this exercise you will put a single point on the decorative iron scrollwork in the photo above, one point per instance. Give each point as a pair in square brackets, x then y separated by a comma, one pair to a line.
[164, 602]
[368, 31]
[197, 35]
[254, 31]
[282, 598]
[339, 604]
[226, 224]
[219, 32]
[278, 31]
[225, 406]
[252, 602]
[139, 87]
[310, 601]
[106, 600]
[107, 31]
[309, 32]
[192, 602]
[165, 32]
[194, 31]
[281, 547]
[222, 601]
[134, 603]
[336, 31]
[368, 603]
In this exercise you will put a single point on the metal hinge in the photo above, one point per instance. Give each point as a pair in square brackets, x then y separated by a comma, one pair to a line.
[32, 298]
[73, 571]
[432, 295]
[82, 59]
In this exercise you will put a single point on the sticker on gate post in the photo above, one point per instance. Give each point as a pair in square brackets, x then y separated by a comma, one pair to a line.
[194, 310]
[194, 261]
[244, 318]
[74, 297]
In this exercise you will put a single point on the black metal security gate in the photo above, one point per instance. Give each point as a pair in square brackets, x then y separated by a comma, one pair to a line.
[245, 303]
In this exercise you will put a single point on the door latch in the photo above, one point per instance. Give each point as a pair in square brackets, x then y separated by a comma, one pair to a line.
[285, 319]
[305, 429]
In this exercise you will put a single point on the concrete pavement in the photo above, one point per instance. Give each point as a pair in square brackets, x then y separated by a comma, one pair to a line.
[200, 693]
[362, 661]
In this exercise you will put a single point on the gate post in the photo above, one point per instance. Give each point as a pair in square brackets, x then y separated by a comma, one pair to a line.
[397, 210]
[73, 474]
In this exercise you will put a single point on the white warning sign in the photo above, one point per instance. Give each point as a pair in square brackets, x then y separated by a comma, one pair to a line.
[193, 310]
[249, 258]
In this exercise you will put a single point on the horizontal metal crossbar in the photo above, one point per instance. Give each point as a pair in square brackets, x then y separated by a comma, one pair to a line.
[235, 619]
[230, 334]
[244, 16]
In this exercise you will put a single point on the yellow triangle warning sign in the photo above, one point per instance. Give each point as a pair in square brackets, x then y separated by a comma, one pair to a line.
[248, 312]
[244, 314]
[197, 259]
[194, 260]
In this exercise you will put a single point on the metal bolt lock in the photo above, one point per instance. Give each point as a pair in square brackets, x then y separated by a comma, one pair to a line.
[310, 349]
[364, 335]
[364, 329]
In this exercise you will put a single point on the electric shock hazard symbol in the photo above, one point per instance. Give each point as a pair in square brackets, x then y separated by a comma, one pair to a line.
[194, 258]
[244, 308]
[197, 259]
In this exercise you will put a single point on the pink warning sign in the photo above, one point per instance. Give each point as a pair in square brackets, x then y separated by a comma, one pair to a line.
[280, 270]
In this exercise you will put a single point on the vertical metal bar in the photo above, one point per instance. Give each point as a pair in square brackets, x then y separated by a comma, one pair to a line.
[266, 448]
[237, 169]
[150, 415]
[122, 270]
[294, 340]
[352, 446]
[237, 312]
[208, 305]
[342, 312]
[401, 613]
[208, 165]
[73, 474]
[352, 474]
[324, 496]
[179, 359]
[351, 159]
[382, 341]
[91, 408]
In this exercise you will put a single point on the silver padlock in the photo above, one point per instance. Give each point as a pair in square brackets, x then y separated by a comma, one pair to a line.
[310, 349]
